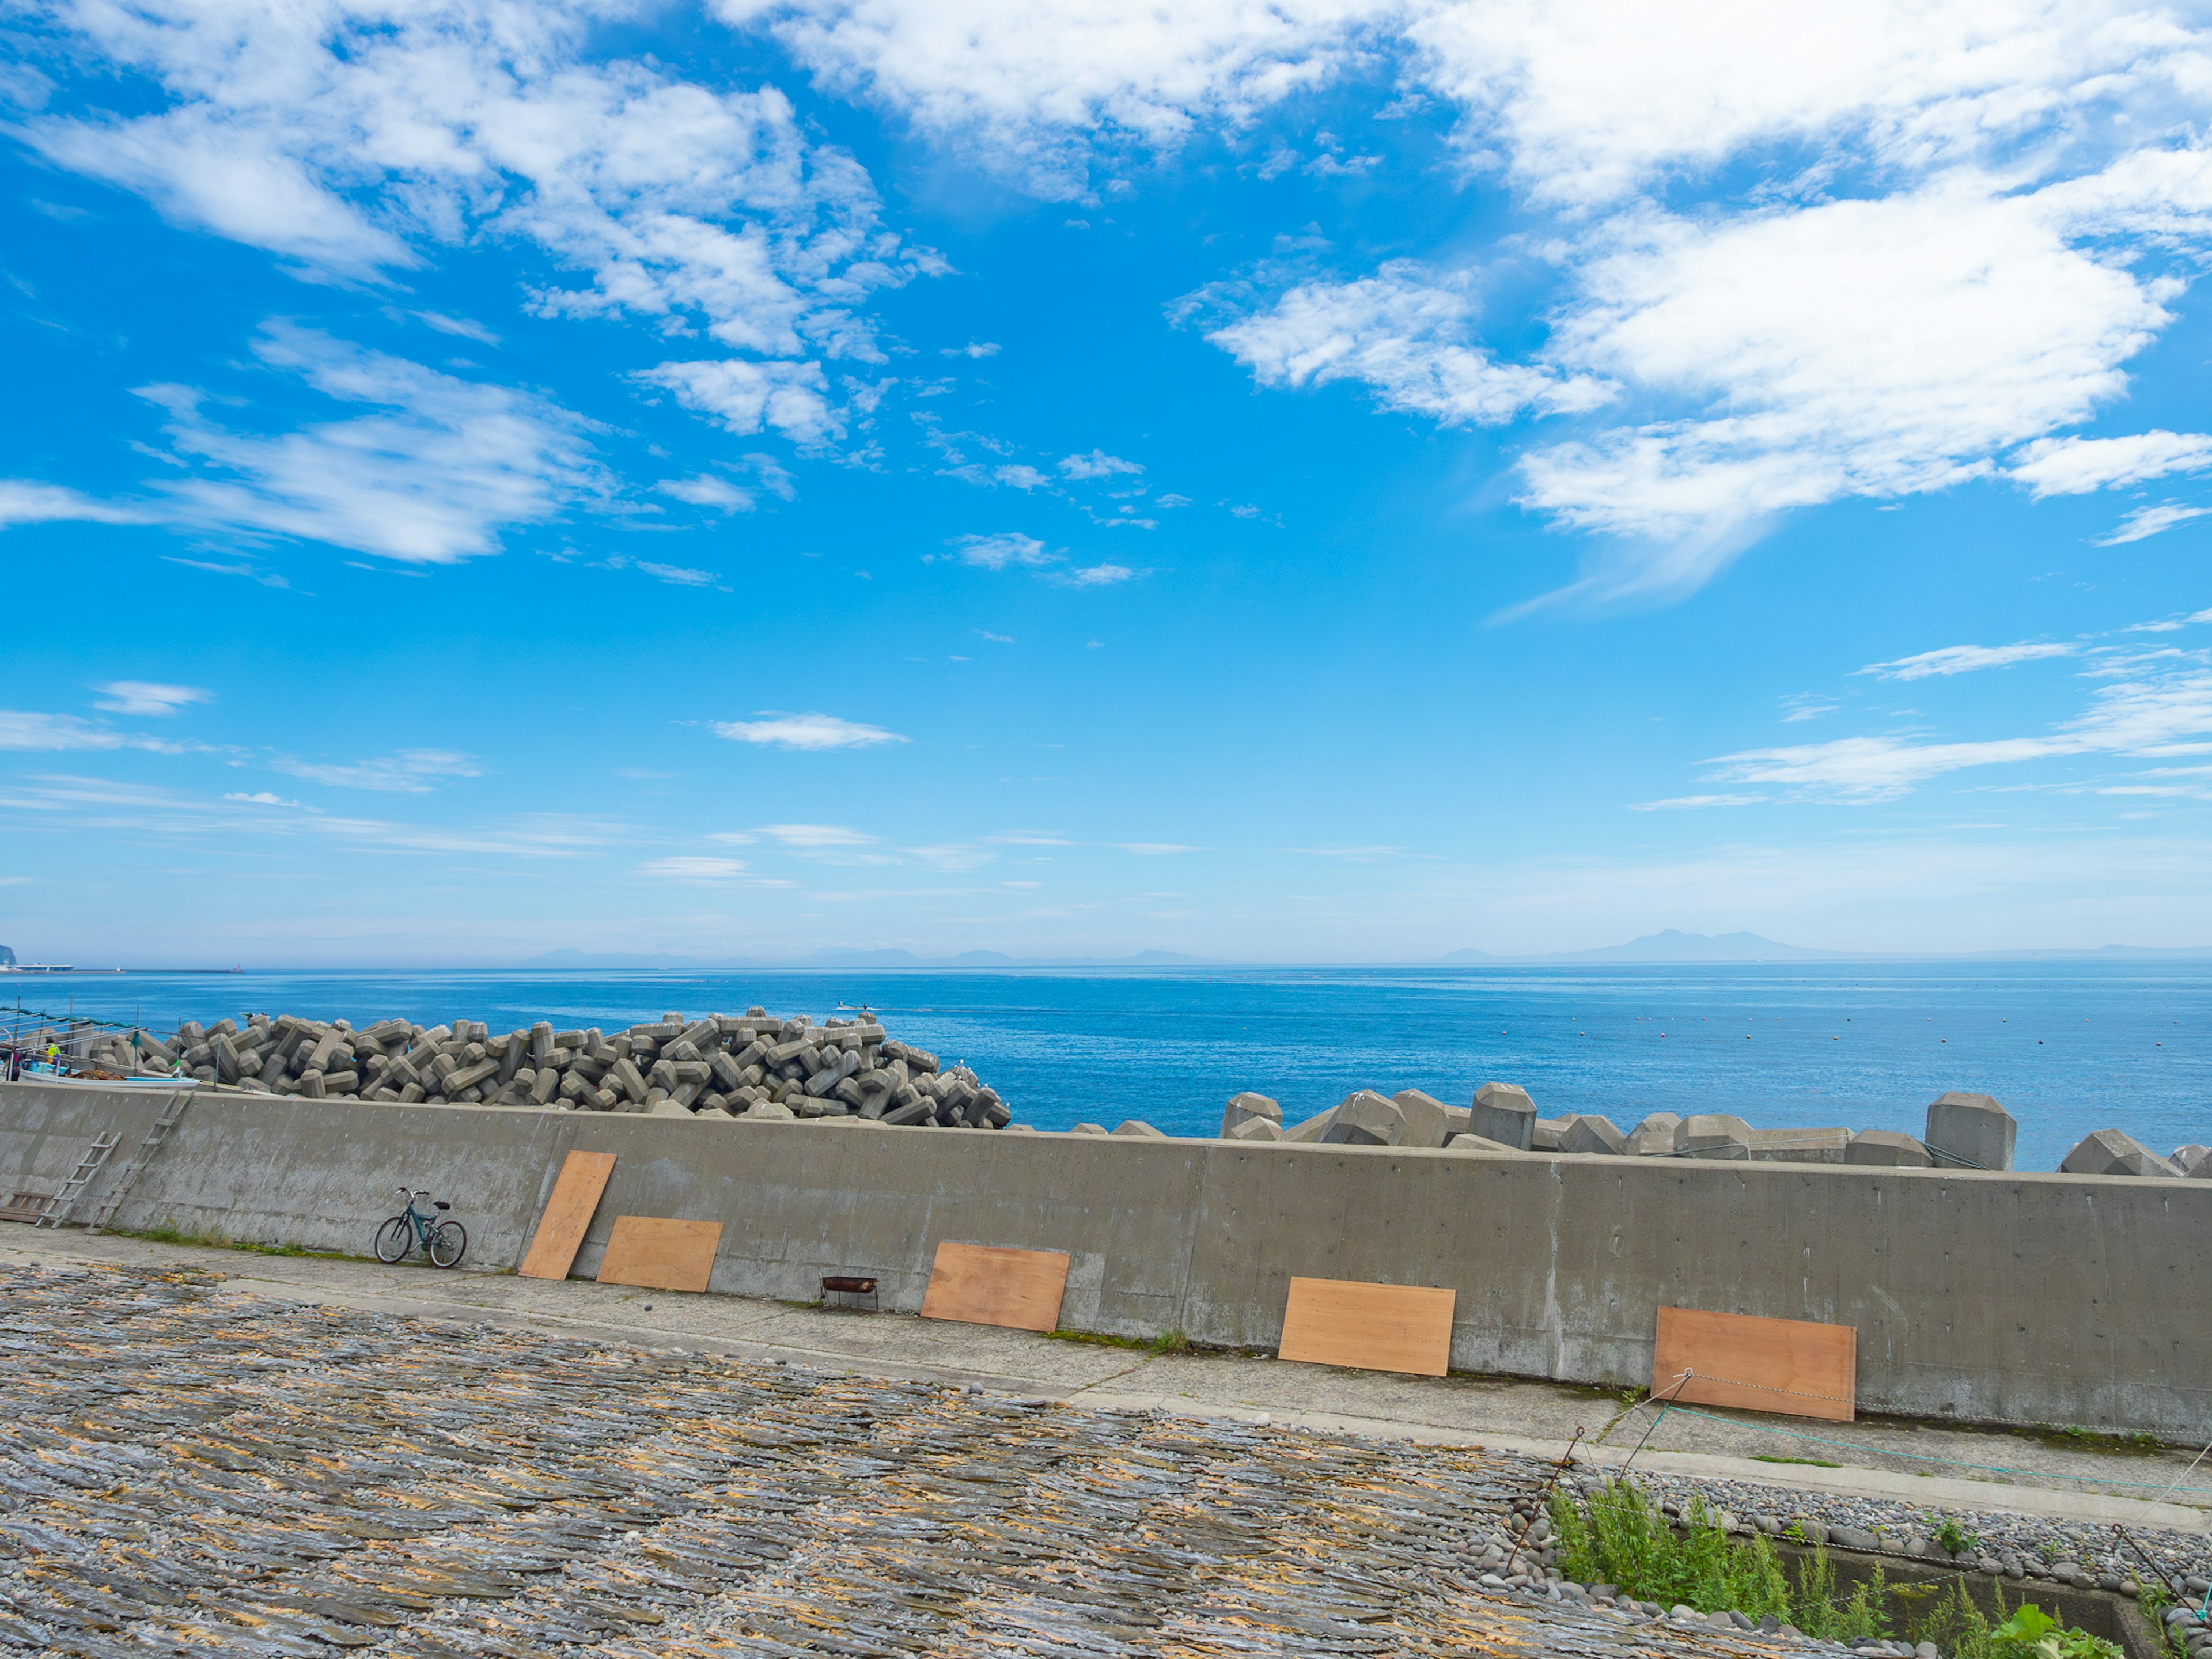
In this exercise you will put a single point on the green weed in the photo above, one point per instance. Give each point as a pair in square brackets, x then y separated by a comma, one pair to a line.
[1814, 1462]
[1621, 1537]
[1165, 1342]
[168, 1234]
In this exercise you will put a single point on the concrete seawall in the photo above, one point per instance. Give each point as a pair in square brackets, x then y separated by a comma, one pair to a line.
[1981, 1296]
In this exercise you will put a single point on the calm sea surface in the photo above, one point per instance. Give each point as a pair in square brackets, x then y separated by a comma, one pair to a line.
[2067, 1048]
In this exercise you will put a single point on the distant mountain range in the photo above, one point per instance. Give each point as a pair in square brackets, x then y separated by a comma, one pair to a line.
[617, 959]
[1673, 945]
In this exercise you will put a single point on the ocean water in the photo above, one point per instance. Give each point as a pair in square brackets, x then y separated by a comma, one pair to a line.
[2069, 1048]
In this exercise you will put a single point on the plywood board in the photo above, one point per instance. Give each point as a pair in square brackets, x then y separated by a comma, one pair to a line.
[567, 1214]
[1792, 1366]
[660, 1255]
[984, 1286]
[1372, 1327]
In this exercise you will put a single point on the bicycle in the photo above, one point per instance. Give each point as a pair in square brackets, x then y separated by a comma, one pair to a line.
[445, 1242]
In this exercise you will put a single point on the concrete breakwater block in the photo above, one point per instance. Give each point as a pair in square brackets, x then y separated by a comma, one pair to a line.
[1971, 1130]
[1965, 1131]
[2112, 1151]
[1504, 1114]
[1886, 1149]
[714, 1067]
[1244, 1109]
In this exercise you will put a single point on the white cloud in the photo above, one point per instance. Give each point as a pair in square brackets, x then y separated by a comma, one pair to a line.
[2153, 707]
[1152, 849]
[22, 730]
[816, 835]
[430, 478]
[1588, 101]
[1096, 465]
[973, 349]
[146, 697]
[748, 397]
[1022, 90]
[705, 491]
[22, 501]
[676, 575]
[1006, 548]
[262, 798]
[692, 871]
[1964, 660]
[355, 139]
[1922, 247]
[2074, 466]
[410, 772]
[813, 731]
[1855, 348]
[464, 327]
[1407, 333]
[2148, 521]
[1096, 575]
[1695, 803]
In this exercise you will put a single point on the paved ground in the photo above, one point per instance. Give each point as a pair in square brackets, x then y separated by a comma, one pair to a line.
[1912, 1463]
[188, 1469]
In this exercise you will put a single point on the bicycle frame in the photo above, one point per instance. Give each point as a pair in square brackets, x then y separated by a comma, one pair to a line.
[423, 1225]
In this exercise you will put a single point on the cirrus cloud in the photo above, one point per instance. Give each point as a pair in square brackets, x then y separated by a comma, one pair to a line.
[812, 732]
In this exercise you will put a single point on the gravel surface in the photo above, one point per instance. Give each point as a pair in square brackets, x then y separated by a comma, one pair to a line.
[184, 1469]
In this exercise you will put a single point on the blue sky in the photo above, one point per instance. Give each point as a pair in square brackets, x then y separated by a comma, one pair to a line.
[1322, 481]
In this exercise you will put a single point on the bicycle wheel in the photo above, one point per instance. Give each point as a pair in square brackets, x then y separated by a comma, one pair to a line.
[448, 1244]
[394, 1239]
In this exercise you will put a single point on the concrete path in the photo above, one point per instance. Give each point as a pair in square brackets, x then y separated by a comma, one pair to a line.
[2025, 1473]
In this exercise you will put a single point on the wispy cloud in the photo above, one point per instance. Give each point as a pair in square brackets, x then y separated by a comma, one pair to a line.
[816, 835]
[410, 772]
[148, 697]
[463, 327]
[1964, 659]
[433, 475]
[675, 575]
[1005, 548]
[694, 871]
[25, 500]
[813, 731]
[1096, 465]
[21, 729]
[1095, 576]
[1152, 849]
[1696, 803]
[2157, 706]
[2147, 521]
[704, 490]
[2074, 466]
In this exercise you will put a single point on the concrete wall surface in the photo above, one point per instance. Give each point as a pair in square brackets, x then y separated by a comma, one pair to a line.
[1984, 1296]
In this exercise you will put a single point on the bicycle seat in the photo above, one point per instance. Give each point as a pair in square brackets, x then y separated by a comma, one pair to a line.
[443, 1205]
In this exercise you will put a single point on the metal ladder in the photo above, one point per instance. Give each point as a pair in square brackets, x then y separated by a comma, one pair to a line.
[157, 1137]
[94, 1158]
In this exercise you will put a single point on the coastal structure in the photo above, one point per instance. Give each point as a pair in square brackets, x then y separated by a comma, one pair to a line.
[715, 1068]
[1963, 1131]
[1979, 1296]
